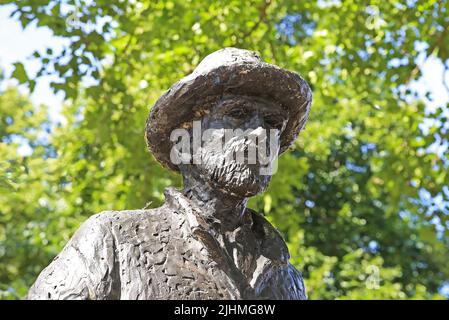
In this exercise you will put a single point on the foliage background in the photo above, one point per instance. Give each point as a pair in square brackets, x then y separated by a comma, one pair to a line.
[362, 194]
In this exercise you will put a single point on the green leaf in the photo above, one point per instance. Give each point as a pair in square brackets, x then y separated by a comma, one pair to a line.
[19, 72]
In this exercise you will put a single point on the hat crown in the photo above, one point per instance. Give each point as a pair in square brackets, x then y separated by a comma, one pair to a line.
[226, 57]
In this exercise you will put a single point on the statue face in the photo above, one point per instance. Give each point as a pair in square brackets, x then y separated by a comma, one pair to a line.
[240, 142]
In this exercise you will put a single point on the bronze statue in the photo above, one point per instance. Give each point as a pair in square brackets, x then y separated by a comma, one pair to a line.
[203, 243]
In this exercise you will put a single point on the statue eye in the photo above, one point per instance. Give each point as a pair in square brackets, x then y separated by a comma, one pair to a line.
[274, 122]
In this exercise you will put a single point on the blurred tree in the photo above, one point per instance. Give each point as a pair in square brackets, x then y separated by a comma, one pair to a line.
[25, 214]
[346, 198]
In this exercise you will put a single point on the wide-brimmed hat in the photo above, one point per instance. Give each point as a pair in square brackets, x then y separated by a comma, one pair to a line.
[225, 72]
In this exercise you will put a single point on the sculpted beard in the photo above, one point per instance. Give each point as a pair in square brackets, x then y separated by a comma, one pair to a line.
[225, 169]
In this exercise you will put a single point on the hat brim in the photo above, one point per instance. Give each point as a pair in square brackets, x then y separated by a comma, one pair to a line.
[178, 104]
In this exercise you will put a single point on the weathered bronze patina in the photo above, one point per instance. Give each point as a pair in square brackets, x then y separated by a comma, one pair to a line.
[203, 243]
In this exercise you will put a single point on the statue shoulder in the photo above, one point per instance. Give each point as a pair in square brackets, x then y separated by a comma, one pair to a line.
[286, 283]
[87, 267]
[129, 219]
[82, 270]
[106, 221]
[297, 289]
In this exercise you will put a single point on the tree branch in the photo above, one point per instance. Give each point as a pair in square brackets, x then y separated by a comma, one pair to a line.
[262, 16]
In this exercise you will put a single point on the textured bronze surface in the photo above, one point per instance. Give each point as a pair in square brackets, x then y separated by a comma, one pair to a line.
[229, 71]
[203, 243]
[170, 253]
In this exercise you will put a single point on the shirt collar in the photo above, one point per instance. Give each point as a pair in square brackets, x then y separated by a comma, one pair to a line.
[272, 245]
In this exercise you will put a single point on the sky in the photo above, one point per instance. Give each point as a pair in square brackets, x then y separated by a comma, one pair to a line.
[18, 45]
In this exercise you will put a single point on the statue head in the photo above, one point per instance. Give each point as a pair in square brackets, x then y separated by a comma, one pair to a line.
[226, 123]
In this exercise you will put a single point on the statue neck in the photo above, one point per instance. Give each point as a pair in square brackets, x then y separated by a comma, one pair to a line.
[215, 204]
